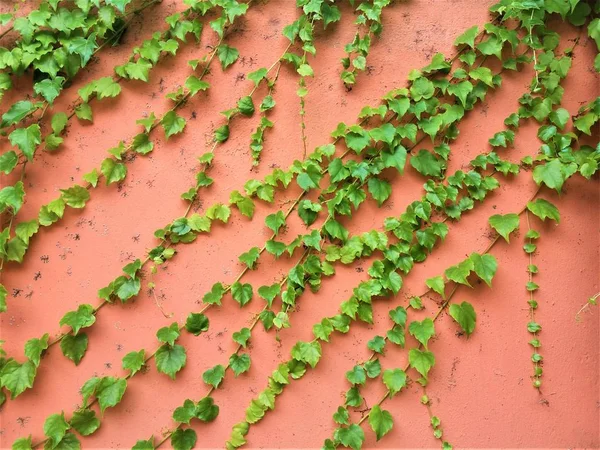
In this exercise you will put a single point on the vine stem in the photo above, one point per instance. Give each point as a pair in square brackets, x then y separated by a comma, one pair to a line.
[447, 301]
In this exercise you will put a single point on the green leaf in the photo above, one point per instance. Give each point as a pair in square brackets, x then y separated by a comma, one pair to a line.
[17, 377]
[84, 112]
[381, 421]
[552, 174]
[184, 439]
[85, 422]
[35, 347]
[76, 196]
[168, 335]
[257, 76]
[268, 293]
[380, 190]
[206, 410]
[195, 84]
[482, 74]
[22, 444]
[25, 230]
[144, 445]
[106, 87]
[27, 139]
[485, 266]
[504, 224]
[69, 442]
[214, 376]
[8, 161]
[196, 323]
[185, 413]
[275, 221]
[427, 164]
[356, 375]
[12, 196]
[241, 293]
[55, 428]
[460, 272]
[17, 112]
[468, 37]
[352, 437]
[74, 347]
[83, 317]
[422, 331]
[3, 295]
[246, 106]
[560, 117]
[239, 363]
[307, 352]
[219, 211]
[172, 124]
[421, 88]
[242, 336]
[227, 55]
[134, 361]
[544, 209]
[394, 380]
[421, 361]
[215, 295]
[170, 359]
[49, 88]
[464, 315]
[436, 284]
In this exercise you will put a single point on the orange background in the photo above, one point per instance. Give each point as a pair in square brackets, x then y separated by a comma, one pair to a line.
[480, 387]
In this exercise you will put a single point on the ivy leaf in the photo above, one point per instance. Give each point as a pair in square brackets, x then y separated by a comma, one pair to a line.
[227, 55]
[49, 88]
[55, 428]
[468, 37]
[214, 376]
[422, 331]
[83, 317]
[134, 361]
[352, 437]
[8, 161]
[196, 323]
[144, 445]
[22, 444]
[421, 88]
[239, 363]
[246, 106]
[242, 336]
[219, 211]
[185, 413]
[172, 124]
[27, 139]
[17, 112]
[381, 421]
[35, 347]
[168, 335]
[310, 178]
[85, 422]
[25, 230]
[12, 196]
[427, 164]
[544, 209]
[394, 380]
[460, 272]
[552, 174]
[421, 361]
[17, 377]
[464, 315]
[3, 295]
[380, 190]
[170, 359]
[356, 375]
[76, 196]
[195, 84]
[437, 285]
[504, 224]
[485, 266]
[184, 439]
[241, 293]
[69, 442]
[560, 117]
[268, 293]
[482, 74]
[275, 221]
[83, 47]
[206, 410]
[74, 347]
[215, 295]
[307, 352]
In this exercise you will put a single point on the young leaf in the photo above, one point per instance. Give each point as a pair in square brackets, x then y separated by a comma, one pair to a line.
[239, 363]
[381, 421]
[504, 224]
[172, 124]
[394, 380]
[241, 293]
[134, 361]
[170, 359]
[308, 352]
[465, 316]
[214, 376]
[422, 331]
[421, 361]
[227, 55]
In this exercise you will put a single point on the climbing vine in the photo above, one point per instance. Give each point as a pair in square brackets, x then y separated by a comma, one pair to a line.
[414, 127]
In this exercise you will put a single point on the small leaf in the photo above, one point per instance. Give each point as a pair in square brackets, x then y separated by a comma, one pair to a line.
[196, 323]
[544, 209]
[172, 124]
[394, 380]
[85, 422]
[485, 266]
[214, 376]
[422, 331]
[464, 315]
[27, 139]
[134, 361]
[74, 347]
[421, 361]
[170, 359]
[352, 437]
[227, 55]
[504, 224]
[381, 421]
